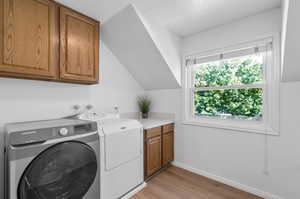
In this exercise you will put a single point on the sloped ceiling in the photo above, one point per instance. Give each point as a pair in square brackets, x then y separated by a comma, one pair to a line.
[183, 17]
[129, 38]
[291, 41]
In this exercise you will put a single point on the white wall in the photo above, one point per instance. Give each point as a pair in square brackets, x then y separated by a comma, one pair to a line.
[247, 29]
[290, 40]
[136, 50]
[117, 86]
[240, 156]
[24, 100]
[169, 45]
[284, 20]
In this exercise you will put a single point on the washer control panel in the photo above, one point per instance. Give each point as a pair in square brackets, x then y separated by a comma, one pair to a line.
[63, 131]
[52, 129]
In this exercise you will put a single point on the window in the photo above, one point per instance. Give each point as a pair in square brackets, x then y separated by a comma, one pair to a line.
[234, 88]
[231, 88]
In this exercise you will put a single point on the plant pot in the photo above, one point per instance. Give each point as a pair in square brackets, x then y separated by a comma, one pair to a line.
[144, 115]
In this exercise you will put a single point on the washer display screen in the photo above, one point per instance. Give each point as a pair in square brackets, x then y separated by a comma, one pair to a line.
[63, 171]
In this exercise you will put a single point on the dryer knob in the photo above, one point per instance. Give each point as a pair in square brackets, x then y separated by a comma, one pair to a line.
[63, 131]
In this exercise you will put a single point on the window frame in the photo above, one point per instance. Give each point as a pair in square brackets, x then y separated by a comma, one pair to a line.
[270, 121]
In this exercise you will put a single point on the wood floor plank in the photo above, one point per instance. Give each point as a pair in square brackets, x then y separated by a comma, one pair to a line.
[176, 183]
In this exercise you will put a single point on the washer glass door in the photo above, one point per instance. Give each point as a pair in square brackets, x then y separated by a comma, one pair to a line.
[63, 171]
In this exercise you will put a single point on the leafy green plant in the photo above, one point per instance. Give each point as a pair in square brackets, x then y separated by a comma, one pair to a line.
[245, 103]
[144, 104]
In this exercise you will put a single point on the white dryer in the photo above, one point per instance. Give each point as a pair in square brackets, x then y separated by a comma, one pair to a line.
[121, 156]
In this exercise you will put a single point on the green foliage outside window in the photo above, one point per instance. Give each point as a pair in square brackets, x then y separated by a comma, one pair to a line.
[238, 103]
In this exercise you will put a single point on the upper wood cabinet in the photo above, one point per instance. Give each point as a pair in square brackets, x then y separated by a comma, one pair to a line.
[29, 39]
[41, 39]
[79, 47]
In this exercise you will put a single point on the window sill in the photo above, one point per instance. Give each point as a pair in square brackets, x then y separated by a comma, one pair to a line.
[248, 127]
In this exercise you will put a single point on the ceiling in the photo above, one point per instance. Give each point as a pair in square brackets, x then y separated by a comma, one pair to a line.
[183, 17]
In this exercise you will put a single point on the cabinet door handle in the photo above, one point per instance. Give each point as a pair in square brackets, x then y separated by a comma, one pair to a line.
[123, 127]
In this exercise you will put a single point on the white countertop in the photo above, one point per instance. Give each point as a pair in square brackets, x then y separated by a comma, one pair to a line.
[152, 123]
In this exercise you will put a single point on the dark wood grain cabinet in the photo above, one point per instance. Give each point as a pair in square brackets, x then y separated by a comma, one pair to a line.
[41, 39]
[158, 149]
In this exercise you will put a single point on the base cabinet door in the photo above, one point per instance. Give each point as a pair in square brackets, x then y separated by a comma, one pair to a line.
[79, 47]
[167, 148]
[29, 39]
[153, 153]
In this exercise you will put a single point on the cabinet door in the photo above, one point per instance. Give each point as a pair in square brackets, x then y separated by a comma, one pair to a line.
[28, 39]
[168, 148]
[153, 155]
[79, 47]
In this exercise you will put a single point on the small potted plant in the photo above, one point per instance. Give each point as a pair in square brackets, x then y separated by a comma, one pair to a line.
[144, 105]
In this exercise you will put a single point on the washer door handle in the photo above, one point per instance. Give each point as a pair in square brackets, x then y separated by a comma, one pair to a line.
[29, 143]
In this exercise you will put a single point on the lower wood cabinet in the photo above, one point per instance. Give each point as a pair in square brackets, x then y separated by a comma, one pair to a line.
[167, 148]
[153, 155]
[158, 149]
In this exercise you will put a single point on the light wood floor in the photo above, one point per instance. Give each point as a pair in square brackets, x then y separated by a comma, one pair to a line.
[176, 183]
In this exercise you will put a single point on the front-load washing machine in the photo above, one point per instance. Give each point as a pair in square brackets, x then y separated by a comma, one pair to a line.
[54, 159]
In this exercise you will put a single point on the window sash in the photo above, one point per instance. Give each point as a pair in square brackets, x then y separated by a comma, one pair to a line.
[253, 85]
[193, 90]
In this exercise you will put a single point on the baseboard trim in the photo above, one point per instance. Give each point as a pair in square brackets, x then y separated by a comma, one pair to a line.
[134, 191]
[226, 181]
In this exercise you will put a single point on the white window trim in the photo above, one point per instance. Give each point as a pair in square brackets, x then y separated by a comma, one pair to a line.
[270, 123]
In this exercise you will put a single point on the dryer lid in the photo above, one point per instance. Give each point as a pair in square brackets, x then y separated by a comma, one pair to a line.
[122, 142]
[111, 126]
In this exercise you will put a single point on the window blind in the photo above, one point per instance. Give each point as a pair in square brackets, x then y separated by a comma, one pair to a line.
[253, 49]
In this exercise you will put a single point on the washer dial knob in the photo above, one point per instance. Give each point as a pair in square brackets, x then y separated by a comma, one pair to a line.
[63, 131]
